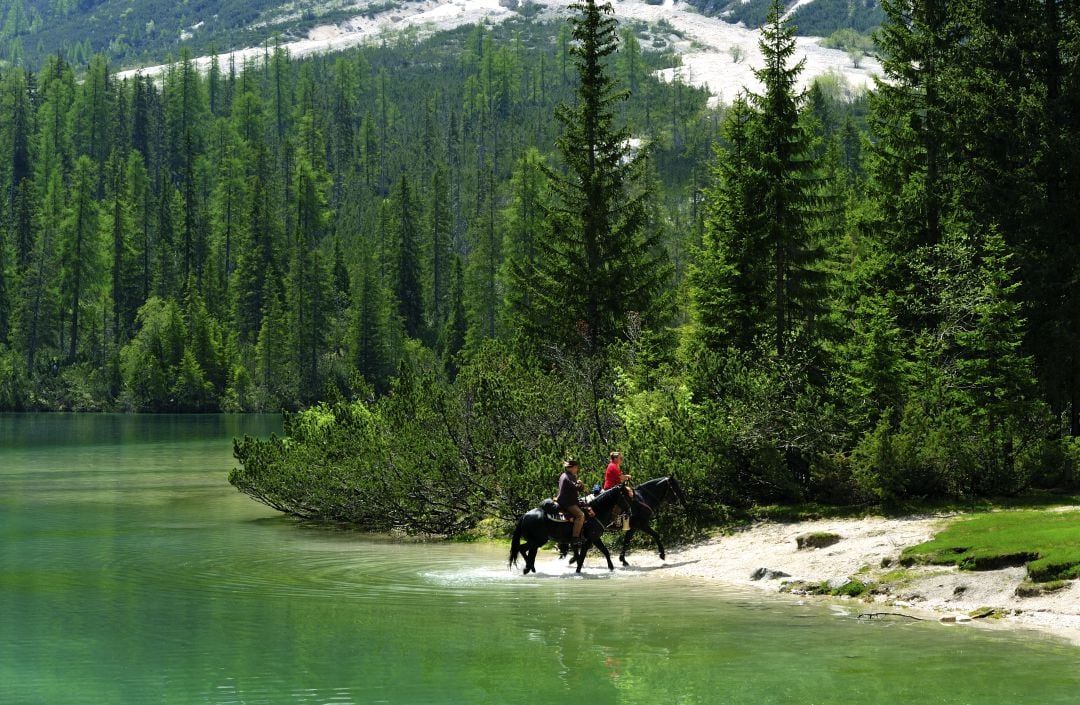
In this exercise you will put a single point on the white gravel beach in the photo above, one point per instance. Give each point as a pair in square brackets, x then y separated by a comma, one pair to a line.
[939, 593]
[934, 592]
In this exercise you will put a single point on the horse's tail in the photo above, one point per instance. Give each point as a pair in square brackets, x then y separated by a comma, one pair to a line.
[515, 545]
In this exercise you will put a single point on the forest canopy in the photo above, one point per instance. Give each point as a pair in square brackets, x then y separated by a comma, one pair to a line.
[472, 254]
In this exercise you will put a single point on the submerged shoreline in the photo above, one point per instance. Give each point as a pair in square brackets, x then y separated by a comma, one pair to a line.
[765, 557]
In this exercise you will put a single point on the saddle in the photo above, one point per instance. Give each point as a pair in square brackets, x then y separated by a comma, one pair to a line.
[553, 513]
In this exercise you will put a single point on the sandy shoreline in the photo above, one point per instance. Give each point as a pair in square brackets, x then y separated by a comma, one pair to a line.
[927, 592]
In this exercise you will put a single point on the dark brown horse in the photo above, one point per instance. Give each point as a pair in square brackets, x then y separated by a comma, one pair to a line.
[536, 527]
[648, 496]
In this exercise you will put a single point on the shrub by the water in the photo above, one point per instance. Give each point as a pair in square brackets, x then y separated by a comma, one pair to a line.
[431, 456]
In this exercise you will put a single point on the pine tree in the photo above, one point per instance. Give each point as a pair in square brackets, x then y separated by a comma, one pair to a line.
[255, 259]
[39, 310]
[440, 227]
[205, 346]
[308, 281]
[141, 198]
[168, 209]
[370, 328]
[759, 275]
[5, 295]
[524, 228]
[730, 278]
[793, 187]
[276, 374]
[408, 276]
[80, 249]
[453, 340]
[93, 112]
[485, 259]
[119, 233]
[17, 136]
[227, 212]
[599, 267]
[913, 147]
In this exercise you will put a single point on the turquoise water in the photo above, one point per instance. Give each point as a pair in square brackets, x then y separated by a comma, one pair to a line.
[132, 572]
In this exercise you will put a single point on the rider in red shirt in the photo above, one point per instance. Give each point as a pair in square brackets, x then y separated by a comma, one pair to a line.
[613, 475]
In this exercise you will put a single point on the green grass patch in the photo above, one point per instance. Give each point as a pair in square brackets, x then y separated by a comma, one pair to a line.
[1048, 543]
[810, 511]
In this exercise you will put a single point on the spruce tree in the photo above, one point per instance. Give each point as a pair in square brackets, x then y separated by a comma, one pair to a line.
[913, 150]
[453, 340]
[793, 187]
[119, 232]
[5, 295]
[39, 309]
[759, 276]
[730, 277]
[598, 267]
[80, 249]
[408, 274]
[524, 228]
[485, 258]
[369, 350]
[308, 280]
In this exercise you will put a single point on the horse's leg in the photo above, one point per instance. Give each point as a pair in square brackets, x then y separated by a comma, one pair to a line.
[656, 537]
[626, 544]
[579, 555]
[599, 543]
[574, 557]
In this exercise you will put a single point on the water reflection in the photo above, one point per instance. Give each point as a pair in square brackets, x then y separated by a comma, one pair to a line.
[130, 572]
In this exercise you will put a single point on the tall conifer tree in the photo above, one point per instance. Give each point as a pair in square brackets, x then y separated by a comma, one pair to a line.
[598, 265]
[408, 274]
[759, 275]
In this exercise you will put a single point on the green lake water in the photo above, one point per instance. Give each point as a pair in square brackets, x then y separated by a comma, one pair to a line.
[132, 572]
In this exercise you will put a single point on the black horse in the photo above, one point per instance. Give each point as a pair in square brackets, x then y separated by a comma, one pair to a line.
[648, 496]
[536, 527]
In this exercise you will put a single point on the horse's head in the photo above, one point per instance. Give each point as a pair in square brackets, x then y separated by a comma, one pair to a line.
[677, 491]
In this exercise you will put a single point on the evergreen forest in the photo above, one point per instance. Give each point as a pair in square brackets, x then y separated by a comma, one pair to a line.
[460, 259]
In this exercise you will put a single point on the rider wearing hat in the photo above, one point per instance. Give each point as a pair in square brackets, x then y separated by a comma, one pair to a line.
[569, 495]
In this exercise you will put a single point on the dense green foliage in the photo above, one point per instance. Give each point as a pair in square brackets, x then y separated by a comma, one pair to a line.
[1048, 543]
[148, 31]
[822, 18]
[487, 256]
[819, 18]
[246, 238]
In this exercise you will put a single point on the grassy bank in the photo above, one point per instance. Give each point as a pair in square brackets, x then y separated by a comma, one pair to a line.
[1046, 542]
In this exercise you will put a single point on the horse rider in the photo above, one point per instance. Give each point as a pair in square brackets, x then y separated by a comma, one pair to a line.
[614, 474]
[613, 477]
[568, 499]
